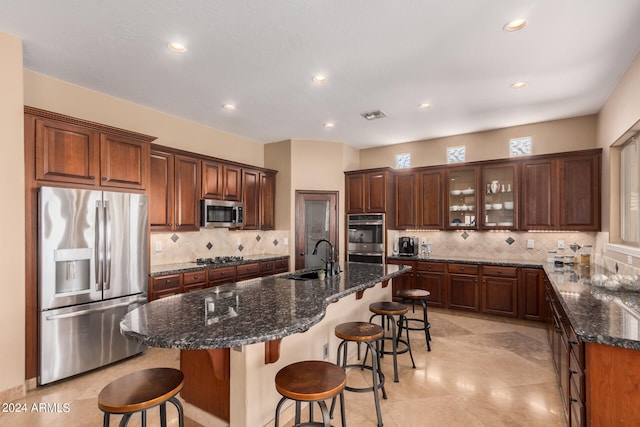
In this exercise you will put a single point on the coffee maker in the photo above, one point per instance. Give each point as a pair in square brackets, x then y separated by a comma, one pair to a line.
[408, 246]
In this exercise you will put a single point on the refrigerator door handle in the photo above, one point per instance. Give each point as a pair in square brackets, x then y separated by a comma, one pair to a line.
[107, 243]
[98, 247]
[89, 311]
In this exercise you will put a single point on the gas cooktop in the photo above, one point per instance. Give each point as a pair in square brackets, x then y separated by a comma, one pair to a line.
[219, 260]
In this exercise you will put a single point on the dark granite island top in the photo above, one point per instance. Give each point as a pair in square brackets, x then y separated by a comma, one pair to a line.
[243, 313]
[596, 314]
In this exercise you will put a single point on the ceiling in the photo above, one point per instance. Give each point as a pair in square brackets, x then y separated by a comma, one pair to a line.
[376, 54]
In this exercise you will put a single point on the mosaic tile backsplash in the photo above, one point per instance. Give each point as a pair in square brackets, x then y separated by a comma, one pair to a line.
[210, 243]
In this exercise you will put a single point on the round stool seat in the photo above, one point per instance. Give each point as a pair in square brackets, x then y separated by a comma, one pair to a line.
[140, 390]
[359, 331]
[413, 294]
[310, 380]
[388, 308]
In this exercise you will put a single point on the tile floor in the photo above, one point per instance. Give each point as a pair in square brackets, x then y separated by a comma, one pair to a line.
[481, 372]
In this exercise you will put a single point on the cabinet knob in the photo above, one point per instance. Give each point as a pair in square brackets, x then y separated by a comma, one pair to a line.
[196, 277]
[92, 177]
[104, 178]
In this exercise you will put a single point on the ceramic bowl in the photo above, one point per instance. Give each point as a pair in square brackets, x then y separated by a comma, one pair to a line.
[508, 205]
[456, 192]
[468, 191]
[488, 207]
[598, 280]
[497, 206]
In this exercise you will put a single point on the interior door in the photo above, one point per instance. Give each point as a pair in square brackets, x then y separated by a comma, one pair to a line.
[316, 219]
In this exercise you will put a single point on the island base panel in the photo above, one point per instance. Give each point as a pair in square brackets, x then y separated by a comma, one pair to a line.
[206, 380]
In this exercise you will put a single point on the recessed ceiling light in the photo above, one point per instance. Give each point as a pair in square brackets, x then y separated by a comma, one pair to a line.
[177, 47]
[319, 78]
[518, 85]
[229, 107]
[329, 125]
[424, 106]
[515, 25]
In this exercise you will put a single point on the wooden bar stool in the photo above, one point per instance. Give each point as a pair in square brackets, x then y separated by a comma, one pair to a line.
[386, 310]
[311, 381]
[140, 391]
[370, 335]
[422, 296]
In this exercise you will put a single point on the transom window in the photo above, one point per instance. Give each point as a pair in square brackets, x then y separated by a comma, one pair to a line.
[629, 188]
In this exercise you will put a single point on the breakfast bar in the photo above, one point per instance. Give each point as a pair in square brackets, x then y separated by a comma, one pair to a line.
[239, 335]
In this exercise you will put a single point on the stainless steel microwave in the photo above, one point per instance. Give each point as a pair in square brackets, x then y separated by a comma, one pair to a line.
[221, 213]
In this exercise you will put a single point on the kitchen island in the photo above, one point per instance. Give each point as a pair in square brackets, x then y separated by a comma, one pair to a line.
[245, 332]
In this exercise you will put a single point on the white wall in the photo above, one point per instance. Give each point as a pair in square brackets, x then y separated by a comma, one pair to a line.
[12, 248]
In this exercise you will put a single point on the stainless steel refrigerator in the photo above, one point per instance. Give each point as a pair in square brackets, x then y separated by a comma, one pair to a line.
[92, 270]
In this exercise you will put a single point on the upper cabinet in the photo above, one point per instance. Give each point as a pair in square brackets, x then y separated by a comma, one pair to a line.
[562, 192]
[221, 181]
[368, 191]
[499, 189]
[174, 192]
[462, 197]
[259, 192]
[546, 192]
[74, 151]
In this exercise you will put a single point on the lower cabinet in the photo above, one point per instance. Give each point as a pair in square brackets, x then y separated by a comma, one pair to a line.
[500, 290]
[531, 299]
[462, 287]
[569, 360]
[172, 284]
[430, 277]
[404, 281]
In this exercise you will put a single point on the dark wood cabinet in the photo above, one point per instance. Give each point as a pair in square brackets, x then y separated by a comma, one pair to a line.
[267, 200]
[368, 191]
[500, 290]
[248, 271]
[430, 277]
[164, 286]
[538, 206]
[405, 280]
[282, 265]
[562, 192]
[579, 195]
[430, 199]
[462, 287]
[462, 188]
[70, 150]
[194, 280]
[221, 181]
[174, 192]
[405, 189]
[222, 275]
[251, 199]
[532, 305]
[161, 187]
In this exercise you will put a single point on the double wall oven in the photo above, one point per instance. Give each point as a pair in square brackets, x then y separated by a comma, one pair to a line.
[366, 238]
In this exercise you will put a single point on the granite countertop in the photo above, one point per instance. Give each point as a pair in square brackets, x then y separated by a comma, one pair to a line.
[596, 314]
[185, 267]
[248, 312]
[471, 260]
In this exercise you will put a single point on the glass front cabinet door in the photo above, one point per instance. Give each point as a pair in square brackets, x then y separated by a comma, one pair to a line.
[499, 197]
[462, 197]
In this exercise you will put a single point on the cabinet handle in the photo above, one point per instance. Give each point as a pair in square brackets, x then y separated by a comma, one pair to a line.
[92, 177]
[572, 400]
[461, 268]
[196, 277]
[104, 178]
[572, 372]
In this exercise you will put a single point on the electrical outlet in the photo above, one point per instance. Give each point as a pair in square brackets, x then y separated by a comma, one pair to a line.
[325, 351]
[530, 244]
[285, 241]
[158, 247]
[560, 244]
[629, 260]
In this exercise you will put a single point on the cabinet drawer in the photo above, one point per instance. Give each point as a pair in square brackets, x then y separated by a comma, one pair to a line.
[576, 376]
[496, 271]
[248, 269]
[430, 266]
[162, 283]
[282, 265]
[224, 274]
[267, 267]
[194, 277]
[463, 268]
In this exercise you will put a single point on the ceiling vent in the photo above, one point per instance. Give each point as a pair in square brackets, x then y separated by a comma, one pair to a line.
[374, 115]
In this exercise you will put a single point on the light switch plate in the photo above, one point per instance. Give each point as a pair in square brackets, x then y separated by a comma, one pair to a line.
[560, 244]
[530, 244]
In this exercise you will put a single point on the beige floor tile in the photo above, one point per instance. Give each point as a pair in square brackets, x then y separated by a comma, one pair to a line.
[481, 372]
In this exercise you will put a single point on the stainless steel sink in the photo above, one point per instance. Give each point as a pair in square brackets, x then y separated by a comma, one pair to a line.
[309, 275]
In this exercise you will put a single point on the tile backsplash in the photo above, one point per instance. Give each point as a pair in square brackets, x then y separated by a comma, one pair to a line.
[501, 245]
[210, 243]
